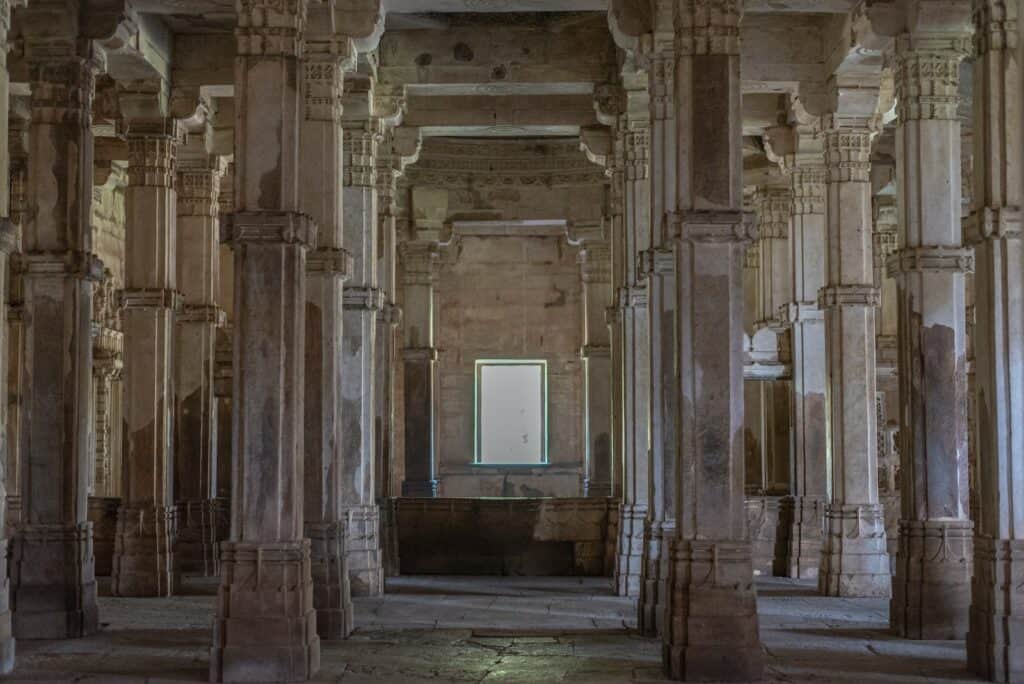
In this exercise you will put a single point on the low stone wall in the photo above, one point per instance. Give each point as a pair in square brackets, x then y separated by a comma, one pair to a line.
[532, 537]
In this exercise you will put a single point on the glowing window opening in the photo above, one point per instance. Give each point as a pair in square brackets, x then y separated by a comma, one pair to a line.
[511, 412]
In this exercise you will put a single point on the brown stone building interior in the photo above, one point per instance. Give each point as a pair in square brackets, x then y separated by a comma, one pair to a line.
[595, 341]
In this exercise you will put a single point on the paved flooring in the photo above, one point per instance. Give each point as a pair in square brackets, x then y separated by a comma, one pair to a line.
[488, 630]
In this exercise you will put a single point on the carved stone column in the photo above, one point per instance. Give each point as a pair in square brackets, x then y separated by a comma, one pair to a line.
[657, 265]
[636, 360]
[108, 363]
[265, 627]
[363, 299]
[326, 270]
[804, 510]
[713, 631]
[53, 586]
[195, 366]
[854, 560]
[931, 589]
[144, 562]
[595, 271]
[419, 356]
[995, 642]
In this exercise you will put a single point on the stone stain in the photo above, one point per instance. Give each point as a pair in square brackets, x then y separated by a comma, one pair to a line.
[424, 59]
[559, 300]
[462, 53]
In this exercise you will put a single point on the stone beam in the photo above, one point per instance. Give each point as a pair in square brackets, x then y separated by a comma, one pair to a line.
[517, 110]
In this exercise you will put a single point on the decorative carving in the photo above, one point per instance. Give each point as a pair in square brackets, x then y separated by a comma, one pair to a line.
[931, 260]
[808, 183]
[840, 296]
[773, 211]
[151, 159]
[199, 188]
[708, 27]
[659, 262]
[270, 27]
[995, 24]
[713, 226]
[324, 81]
[270, 227]
[994, 224]
[928, 76]
[662, 84]
[848, 154]
[361, 143]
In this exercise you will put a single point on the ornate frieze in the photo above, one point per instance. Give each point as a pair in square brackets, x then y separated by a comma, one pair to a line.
[928, 76]
[152, 153]
[848, 152]
[270, 27]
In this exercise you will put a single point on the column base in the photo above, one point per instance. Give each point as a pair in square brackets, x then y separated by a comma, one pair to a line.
[854, 560]
[362, 550]
[763, 522]
[713, 632]
[931, 592]
[53, 584]
[389, 537]
[420, 489]
[597, 490]
[654, 589]
[332, 597]
[6, 624]
[265, 627]
[630, 558]
[995, 643]
[197, 540]
[143, 552]
[801, 519]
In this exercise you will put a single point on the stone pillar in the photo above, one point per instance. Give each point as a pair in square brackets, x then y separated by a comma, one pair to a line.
[108, 351]
[713, 631]
[931, 589]
[595, 271]
[265, 626]
[636, 385]
[327, 267]
[144, 562]
[995, 642]
[803, 512]
[363, 299]
[419, 358]
[854, 561]
[195, 364]
[53, 585]
[658, 268]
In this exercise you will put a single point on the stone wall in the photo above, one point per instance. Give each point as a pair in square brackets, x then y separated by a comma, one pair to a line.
[506, 537]
[503, 298]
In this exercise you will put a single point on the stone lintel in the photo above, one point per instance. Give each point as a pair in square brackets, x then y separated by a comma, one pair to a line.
[269, 227]
[931, 259]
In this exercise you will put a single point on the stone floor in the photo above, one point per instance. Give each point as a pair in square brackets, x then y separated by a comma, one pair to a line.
[487, 630]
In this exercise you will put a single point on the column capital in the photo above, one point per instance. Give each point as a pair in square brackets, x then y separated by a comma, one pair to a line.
[63, 88]
[927, 74]
[713, 226]
[390, 314]
[361, 142]
[152, 152]
[419, 261]
[199, 185]
[270, 27]
[774, 205]
[329, 261]
[269, 227]
[709, 27]
[848, 148]
[323, 77]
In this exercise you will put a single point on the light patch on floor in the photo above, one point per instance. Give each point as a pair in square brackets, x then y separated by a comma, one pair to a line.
[485, 630]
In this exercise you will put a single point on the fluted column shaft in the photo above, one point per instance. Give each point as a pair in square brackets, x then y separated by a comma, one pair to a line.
[657, 266]
[804, 510]
[53, 586]
[265, 626]
[326, 270]
[854, 558]
[144, 562]
[195, 402]
[995, 642]
[931, 588]
[713, 631]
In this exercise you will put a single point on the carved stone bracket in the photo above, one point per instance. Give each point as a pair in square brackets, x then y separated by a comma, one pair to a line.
[73, 263]
[713, 226]
[657, 262]
[202, 313]
[329, 261]
[150, 298]
[931, 260]
[363, 299]
[994, 224]
[849, 296]
[269, 227]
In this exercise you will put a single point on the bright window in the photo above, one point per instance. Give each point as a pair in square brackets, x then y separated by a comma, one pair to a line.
[511, 412]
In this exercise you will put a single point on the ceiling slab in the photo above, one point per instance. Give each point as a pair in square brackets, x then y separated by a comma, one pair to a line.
[403, 6]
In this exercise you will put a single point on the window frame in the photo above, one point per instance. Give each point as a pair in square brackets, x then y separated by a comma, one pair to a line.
[478, 366]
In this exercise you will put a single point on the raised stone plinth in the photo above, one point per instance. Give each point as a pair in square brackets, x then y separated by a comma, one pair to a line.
[331, 589]
[144, 552]
[995, 643]
[53, 585]
[801, 521]
[196, 545]
[7, 646]
[265, 630]
[103, 516]
[654, 590]
[763, 520]
[854, 561]
[931, 591]
[713, 631]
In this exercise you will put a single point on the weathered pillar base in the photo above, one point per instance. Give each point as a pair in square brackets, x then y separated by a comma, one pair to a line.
[654, 589]
[197, 538]
[265, 630]
[6, 625]
[931, 592]
[53, 585]
[854, 560]
[801, 519]
[995, 643]
[629, 565]
[144, 552]
[389, 537]
[332, 597]
[763, 521]
[713, 630]
[362, 551]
